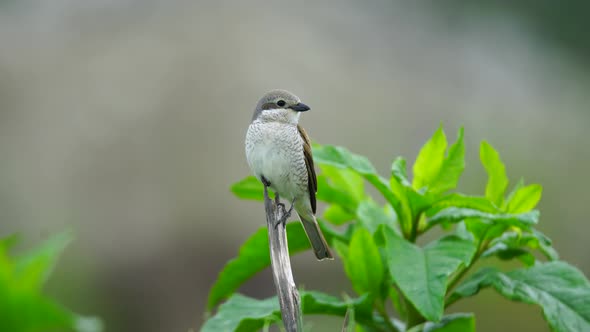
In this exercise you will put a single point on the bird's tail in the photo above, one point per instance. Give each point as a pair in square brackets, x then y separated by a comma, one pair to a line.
[315, 236]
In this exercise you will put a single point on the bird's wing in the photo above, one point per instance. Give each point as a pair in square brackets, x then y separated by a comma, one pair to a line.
[312, 181]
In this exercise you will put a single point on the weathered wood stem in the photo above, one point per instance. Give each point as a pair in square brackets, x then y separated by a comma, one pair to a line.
[287, 293]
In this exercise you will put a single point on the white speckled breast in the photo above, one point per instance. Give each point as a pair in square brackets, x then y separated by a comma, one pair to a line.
[275, 150]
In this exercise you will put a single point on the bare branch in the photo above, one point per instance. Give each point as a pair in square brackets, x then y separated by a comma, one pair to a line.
[288, 295]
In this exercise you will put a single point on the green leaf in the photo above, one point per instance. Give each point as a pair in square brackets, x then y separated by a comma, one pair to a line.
[459, 322]
[515, 244]
[451, 168]
[313, 302]
[383, 187]
[252, 258]
[462, 201]
[249, 188]
[398, 302]
[497, 179]
[241, 313]
[504, 252]
[430, 159]
[330, 233]
[561, 290]
[516, 188]
[36, 265]
[362, 262]
[411, 202]
[22, 305]
[345, 180]
[398, 171]
[422, 273]
[342, 158]
[319, 303]
[454, 214]
[525, 199]
[545, 245]
[481, 229]
[419, 202]
[336, 215]
[371, 215]
[404, 211]
[342, 249]
[333, 195]
[26, 310]
[8, 242]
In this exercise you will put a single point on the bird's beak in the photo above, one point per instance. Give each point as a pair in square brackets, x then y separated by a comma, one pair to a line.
[300, 107]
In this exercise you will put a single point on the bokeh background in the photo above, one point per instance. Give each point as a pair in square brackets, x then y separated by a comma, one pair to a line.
[125, 120]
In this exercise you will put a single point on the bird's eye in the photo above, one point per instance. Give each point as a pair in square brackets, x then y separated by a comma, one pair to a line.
[281, 103]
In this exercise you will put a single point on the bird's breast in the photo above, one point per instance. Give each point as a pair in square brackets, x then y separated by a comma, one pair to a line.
[275, 151]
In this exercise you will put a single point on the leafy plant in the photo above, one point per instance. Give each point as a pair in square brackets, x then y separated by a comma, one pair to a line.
[383, 262]
[23, 307]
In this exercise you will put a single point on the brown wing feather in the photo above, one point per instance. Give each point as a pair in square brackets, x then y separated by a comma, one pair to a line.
[312, 181]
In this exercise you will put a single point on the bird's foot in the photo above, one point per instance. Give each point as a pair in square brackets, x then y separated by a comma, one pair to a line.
[286, 213]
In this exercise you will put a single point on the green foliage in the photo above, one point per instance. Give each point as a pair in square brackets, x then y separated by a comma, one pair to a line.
[497, 179]
[525, 198]
[362, 262]
[23, 307]
[430, 159]
[560, 289]
[345, 160]
[460, 322]
[370, 215]
[241, 313]
[456, 214]
[377, 246]
[424, 285]
[435, 171]
[451, 168]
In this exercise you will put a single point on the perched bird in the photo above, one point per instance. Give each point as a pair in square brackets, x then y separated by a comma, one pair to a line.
[279, 153]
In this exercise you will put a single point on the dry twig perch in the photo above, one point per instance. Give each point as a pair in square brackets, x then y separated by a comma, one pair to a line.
[289, 300]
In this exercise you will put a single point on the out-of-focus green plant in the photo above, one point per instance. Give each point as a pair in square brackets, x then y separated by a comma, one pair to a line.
[383, 262]
[23, 306]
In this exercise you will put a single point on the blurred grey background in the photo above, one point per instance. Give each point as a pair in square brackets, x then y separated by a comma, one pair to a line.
[125, 120]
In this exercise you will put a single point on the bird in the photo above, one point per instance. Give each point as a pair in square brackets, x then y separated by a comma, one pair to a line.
[278, 151]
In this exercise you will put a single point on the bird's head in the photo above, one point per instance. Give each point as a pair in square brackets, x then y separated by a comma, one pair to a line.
[279, 106]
